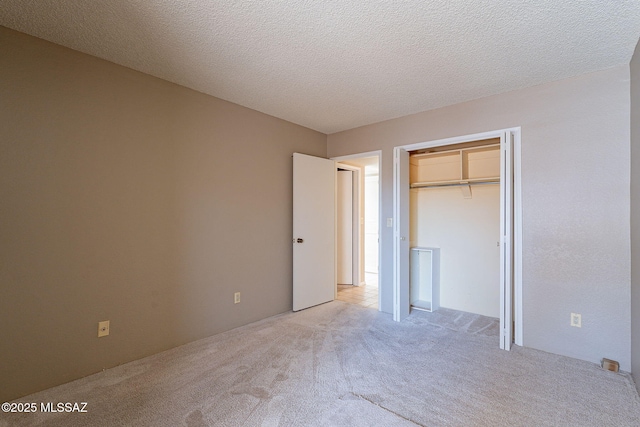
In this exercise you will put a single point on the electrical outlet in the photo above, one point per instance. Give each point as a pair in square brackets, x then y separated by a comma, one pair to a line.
[236, 298]
[576, 320]
[103, 328]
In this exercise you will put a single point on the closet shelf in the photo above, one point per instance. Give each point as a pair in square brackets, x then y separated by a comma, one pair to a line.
[456, 182]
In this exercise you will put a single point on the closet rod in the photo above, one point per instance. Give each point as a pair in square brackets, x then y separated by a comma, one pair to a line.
[454, 184]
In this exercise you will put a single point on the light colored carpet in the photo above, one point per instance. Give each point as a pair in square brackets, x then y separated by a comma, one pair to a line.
[344, 365]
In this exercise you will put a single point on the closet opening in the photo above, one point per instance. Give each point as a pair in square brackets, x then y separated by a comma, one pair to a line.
[457, 228]
[454, 231]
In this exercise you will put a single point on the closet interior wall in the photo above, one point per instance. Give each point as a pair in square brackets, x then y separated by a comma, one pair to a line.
[455, 206]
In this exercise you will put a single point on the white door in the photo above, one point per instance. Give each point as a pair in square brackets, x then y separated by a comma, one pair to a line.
[345, 227]
[506, 240]
[401, 235]
[314, 231]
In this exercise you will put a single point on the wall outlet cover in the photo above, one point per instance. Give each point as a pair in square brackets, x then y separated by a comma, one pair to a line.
[103, 328]
[576, 320]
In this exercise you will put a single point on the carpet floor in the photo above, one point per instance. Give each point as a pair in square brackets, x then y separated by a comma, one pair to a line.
[340, 364]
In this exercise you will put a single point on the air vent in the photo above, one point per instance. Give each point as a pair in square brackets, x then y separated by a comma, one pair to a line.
[610, 365]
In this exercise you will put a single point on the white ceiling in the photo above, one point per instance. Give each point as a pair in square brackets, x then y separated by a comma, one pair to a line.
[332, 65]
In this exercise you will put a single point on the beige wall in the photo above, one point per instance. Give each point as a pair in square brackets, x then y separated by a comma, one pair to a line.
[635, 216]
[131, 199]
[575, 201]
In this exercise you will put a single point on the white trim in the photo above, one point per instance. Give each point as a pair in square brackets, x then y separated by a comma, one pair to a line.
[380, 222]
[396, 249]
[517, 235]
[457, 139]
[396, 234]
[517, 213]
[377, 153]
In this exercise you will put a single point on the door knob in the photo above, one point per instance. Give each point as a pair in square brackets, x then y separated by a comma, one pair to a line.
[299, 240]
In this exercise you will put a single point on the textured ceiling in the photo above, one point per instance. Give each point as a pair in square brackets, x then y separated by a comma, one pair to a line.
[332, 65]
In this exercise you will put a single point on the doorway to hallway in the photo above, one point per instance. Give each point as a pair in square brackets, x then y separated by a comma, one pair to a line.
[366, 261]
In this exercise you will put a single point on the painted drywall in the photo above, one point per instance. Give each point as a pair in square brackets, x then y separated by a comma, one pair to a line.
[466, 231]
[635, 215]
[131, 199]
[575, 201]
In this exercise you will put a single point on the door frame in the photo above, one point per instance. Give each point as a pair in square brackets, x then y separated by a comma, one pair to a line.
[378, 155]
[515, 302]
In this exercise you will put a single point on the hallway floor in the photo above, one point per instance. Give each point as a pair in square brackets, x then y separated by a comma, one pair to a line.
[365, 295]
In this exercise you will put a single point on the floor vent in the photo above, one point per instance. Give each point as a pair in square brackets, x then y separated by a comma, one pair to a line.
[610, 365]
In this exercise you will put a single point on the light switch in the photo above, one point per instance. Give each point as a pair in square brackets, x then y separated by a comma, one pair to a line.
[389, 222]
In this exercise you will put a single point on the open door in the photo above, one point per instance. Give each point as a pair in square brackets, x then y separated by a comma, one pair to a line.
[314, 231]
[506, 240]
[401, 235]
